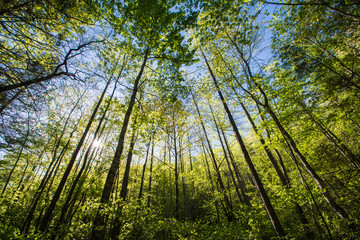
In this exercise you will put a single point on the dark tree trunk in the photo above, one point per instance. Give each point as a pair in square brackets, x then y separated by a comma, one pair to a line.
[268, 206]
[226, 156]
[49, 212]
[151, 172]
[98, 231]
[227, 206]
[17, 160]
[176, 172]
[124, 187]
[334, 140]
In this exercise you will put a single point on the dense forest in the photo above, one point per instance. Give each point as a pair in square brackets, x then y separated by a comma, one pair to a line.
[164, 119]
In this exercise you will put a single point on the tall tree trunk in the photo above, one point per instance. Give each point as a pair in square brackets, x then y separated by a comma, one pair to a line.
[333, 139]
[268, 206]
[54, 162]
[210, 178]
[17, 160]
[228, 206]
[98, 231]
[303, 180]
[320, 182]
[143, 173]
[49, 212]
[262, 141]
[87, 153]
[151, 172]
[170, 175]
[184, 188]
[237, 172]
[176, 172]
[124, 187]
[226, 156]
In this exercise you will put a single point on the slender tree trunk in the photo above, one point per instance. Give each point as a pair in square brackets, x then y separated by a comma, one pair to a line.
[228, 206]
[262, 141]
[184, 188]
[333, 139]
[237, 173]
[282, 166]
[49, 212]
[53, 164]
[22, 175]
[17, 160]
[276, 151]
[210, 178]
[176, 172]
[124, 187]
[321, 184]
[143, 173]
[194, 213]
[268, 206]
[151, 172]
[98, 231]
[87, 153]
[170, 175]
[303, 180]
[226, 156]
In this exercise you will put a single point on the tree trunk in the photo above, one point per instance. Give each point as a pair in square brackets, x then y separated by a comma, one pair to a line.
[262, 141]
[210, 178]
[176, 172]
[226, 156]
[124, 187]
[98, 231]
[17, 160]
[237, 173]
[49, 212]
[87, 153]
[228, 206]
[268, 206]
[321, 184]
[143, 174]
[334, 140]
[151, 172]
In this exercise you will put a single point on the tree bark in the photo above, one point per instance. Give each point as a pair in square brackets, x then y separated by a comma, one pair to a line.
[98, 231]
[268, 206]
[176, 172]
[226, 156]
[124, 187]
[262, 141]
[334, 140]
[17, 160]
[49, 212]
[151, 172]
[228, 206]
